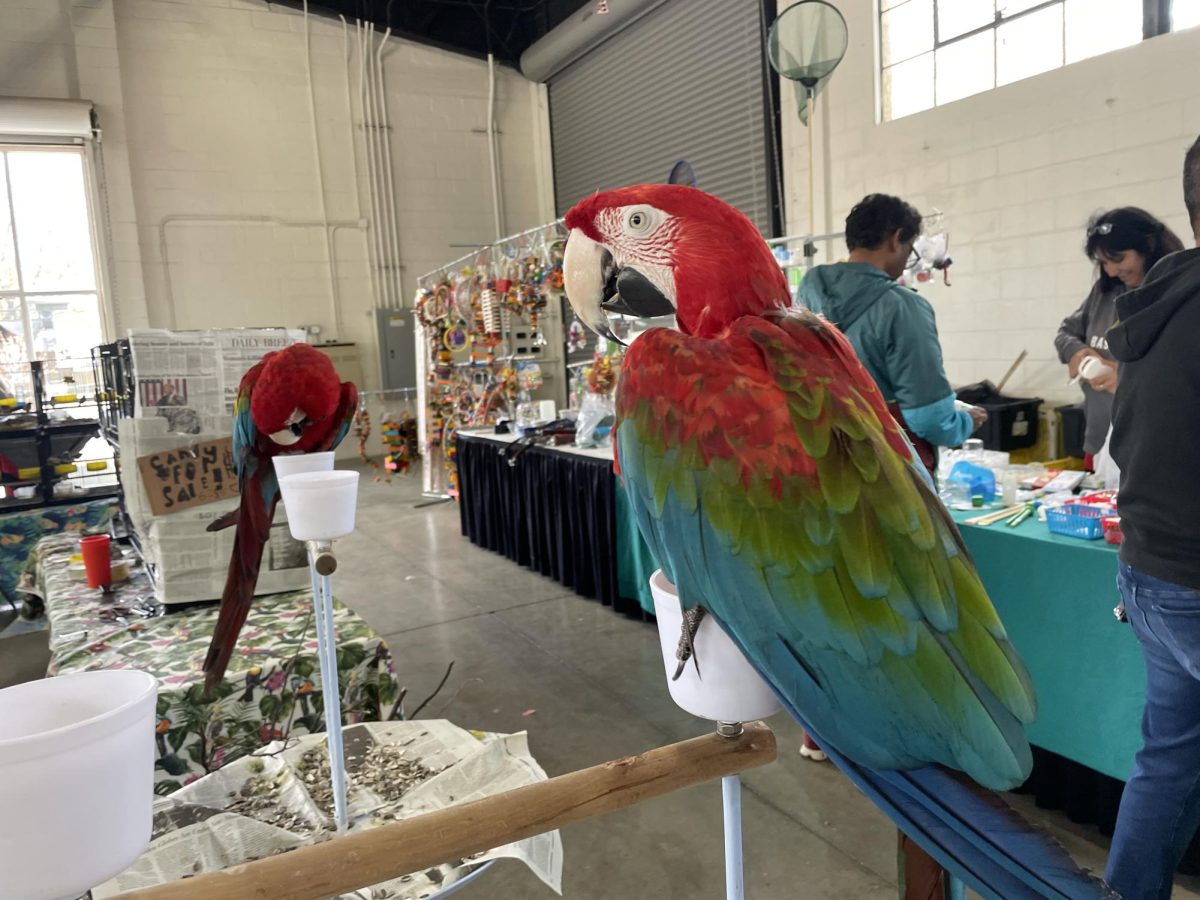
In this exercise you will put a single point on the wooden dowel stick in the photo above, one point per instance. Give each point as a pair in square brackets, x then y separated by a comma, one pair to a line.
[412, 845]
[989, 518]
[1007, 375]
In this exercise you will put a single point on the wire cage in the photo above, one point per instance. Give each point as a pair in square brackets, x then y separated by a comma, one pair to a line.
[112, 371]
[50, 445]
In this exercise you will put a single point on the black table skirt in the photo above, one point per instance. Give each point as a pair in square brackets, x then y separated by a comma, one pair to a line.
[553, 512]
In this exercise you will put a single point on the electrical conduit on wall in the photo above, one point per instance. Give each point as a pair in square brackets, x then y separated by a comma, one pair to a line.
[493, 150]
[334, 294]
[388, 186]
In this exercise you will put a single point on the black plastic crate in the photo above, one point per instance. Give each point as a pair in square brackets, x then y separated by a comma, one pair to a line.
[1012, 421]
[1073, 425]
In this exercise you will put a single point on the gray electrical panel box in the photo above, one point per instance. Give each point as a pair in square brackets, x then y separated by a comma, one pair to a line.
[397, 346]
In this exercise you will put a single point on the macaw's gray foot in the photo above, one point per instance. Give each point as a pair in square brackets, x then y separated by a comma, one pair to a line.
[686, 649]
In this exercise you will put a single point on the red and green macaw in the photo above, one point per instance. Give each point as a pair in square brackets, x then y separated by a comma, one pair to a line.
[289, 402]
[779, 495]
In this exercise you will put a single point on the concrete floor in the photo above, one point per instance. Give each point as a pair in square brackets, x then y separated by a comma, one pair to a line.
[587, 685]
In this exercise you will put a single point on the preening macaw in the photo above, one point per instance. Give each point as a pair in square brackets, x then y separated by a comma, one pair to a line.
[779, 495]
[288, 402]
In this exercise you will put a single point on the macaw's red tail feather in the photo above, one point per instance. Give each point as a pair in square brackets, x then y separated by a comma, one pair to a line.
[221, 522]
[249, 540]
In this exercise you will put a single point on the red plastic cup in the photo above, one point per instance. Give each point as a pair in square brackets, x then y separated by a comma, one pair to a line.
[97, 563]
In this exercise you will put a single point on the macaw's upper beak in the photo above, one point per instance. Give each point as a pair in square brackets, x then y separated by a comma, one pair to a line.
[596, 287]
[292, 430]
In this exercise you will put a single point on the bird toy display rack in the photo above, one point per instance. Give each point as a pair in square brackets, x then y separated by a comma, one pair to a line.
[484, 320]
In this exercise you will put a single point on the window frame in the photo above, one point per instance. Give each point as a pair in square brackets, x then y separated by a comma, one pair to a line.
[85, 151]
[1156, 20]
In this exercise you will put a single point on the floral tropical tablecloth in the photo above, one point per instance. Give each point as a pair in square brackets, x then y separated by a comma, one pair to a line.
[272, 689]
[20, 532]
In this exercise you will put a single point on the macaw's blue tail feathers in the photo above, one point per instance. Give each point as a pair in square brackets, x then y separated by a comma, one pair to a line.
[973, 833]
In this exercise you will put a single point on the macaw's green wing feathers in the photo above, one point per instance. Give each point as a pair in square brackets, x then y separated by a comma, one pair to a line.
[245, 435]
[784, 498]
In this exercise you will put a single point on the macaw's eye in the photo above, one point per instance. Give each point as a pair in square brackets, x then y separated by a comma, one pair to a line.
[639, 221]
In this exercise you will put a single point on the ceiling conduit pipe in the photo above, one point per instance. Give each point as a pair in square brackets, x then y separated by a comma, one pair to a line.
[583, 31]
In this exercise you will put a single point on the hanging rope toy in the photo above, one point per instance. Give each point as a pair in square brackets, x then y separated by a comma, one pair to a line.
[362, 431]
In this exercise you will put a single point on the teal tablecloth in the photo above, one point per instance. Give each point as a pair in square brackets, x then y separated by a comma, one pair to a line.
[1056, 596]
[635, 564]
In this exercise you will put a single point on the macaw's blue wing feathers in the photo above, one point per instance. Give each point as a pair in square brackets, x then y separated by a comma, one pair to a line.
[784, 499]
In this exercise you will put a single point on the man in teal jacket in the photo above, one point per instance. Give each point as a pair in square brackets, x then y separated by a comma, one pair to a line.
[892, 328]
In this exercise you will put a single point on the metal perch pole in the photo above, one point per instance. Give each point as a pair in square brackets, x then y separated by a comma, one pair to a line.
[731, 802]
[321, 564]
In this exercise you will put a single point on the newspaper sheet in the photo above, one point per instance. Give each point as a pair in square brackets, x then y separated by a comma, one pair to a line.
[189, 377]
[279, 799]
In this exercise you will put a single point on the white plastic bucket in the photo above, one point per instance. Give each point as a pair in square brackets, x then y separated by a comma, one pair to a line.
[76, 781]
[295, 463]
[727, 688]
[320, 505]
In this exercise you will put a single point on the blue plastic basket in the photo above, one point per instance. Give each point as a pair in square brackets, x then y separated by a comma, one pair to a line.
[1077, 520]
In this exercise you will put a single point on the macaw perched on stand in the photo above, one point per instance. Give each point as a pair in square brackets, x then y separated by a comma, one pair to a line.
[779, 495]
[289, 402]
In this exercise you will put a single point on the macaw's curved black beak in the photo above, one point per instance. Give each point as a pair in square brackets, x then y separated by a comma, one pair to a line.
[596, 287]
[633, 294]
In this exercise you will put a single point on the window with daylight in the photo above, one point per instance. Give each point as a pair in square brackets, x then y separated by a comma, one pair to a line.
[938, 51]
[49, 298]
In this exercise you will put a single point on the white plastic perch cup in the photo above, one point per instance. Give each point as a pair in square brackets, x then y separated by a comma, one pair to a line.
[295, 463]
[726, 688]
[76, 781]
[320, 505]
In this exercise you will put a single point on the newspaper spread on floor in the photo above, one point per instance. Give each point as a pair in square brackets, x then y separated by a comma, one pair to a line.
[279, 799]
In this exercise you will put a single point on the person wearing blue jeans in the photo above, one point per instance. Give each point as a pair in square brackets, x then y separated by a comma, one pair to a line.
[1156, 443]
[1161, 805]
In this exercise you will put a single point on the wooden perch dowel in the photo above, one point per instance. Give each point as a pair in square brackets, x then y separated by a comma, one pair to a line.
[412, 845]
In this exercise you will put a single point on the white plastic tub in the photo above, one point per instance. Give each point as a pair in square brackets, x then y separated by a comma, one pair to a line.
[296, 463]
[76, 781]
[320, 505]
[727, 688]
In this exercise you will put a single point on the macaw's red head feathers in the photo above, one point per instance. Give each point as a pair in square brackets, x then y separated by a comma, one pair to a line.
[295, 395]
[659, 249]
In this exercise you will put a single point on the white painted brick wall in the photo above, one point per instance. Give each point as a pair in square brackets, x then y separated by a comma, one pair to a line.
[206, 113]
[1017, 171]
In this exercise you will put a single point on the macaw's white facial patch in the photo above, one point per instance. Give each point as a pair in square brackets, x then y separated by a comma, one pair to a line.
[642, 237]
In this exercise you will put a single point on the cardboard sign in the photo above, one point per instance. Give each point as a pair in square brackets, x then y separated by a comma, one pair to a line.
[189, 476]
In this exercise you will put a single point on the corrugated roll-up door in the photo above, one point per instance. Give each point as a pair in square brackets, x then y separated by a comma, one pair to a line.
[685, 81]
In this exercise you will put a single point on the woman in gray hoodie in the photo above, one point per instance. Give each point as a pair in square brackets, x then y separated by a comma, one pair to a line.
[1125, 244]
